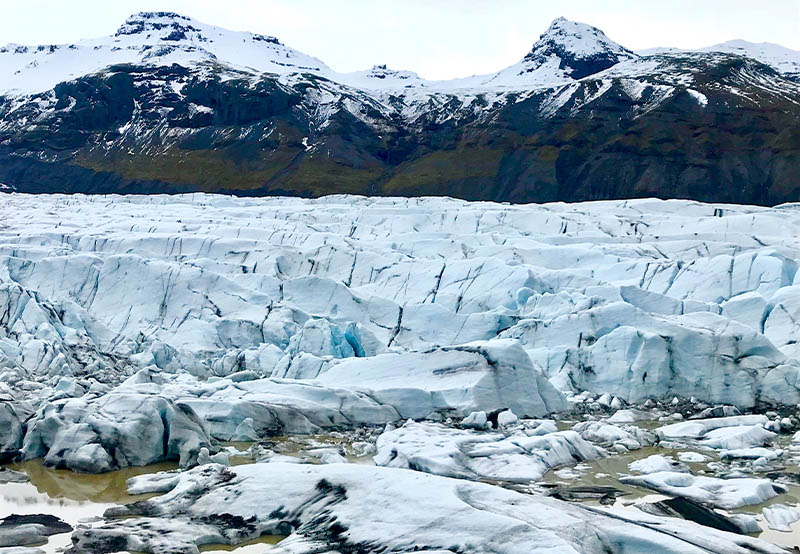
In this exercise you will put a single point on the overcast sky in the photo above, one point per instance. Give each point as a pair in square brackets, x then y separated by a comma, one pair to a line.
[436, 38]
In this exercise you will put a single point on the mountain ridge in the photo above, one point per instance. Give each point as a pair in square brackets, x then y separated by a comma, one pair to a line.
[160, 107]
[175, 32]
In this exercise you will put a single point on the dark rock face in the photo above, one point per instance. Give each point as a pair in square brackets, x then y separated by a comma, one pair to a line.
[692, 511]
[156, 21]
[728, 138]
[25, 530]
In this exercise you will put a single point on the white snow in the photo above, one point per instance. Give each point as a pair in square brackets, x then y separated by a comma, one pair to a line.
[149, 38]
[699, 96]
[783, 59]
[562, 70]
[164, 39]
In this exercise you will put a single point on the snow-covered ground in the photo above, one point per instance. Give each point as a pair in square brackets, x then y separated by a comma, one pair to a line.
[147, 328]
[782, 59]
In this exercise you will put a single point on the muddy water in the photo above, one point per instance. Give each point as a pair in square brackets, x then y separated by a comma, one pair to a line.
[79, 498]
[250, 547]
[76, 498]
[73, 497]
[302, 446]
[791, 498]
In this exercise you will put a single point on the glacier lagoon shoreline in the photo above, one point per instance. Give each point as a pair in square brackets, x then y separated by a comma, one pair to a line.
[563, 479]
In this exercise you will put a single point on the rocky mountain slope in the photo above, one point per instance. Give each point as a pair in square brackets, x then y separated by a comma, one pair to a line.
[169, 104]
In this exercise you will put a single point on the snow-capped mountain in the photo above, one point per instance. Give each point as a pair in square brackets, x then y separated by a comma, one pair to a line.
[172, 104]
[578, 50]
[151, 39]
[784, 60]
[567, 51]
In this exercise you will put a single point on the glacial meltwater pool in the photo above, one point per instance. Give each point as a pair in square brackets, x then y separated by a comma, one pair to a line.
[77, 497]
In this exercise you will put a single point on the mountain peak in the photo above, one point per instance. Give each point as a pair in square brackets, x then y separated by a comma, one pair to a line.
[582, 49]
[383, 77]
[149, 16]
[174, 26]
[782, 59]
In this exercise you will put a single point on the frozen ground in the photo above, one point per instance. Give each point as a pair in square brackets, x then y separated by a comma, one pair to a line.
[135, 330]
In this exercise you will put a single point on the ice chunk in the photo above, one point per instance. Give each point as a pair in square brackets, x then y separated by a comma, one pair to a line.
[479, 376]
[656, 463]
[437, 449]
[378, 506]
[780, 517]
[114, 431]
[720, 493]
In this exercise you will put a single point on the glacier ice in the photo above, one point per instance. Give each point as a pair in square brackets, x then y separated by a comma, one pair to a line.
[656, 463]
[140, 329]
[780, 517]
[518, 457]
[20, 531]
[252, 317]
[721, 493]
[724, 433]
[113, 431]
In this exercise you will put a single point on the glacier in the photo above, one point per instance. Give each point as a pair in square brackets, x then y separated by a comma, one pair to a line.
[233, 318]
[454, 342]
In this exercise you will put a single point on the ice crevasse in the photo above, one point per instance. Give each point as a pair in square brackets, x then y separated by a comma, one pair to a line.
[228, 318]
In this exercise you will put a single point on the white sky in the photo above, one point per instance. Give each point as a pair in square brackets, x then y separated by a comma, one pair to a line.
[436, 38]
